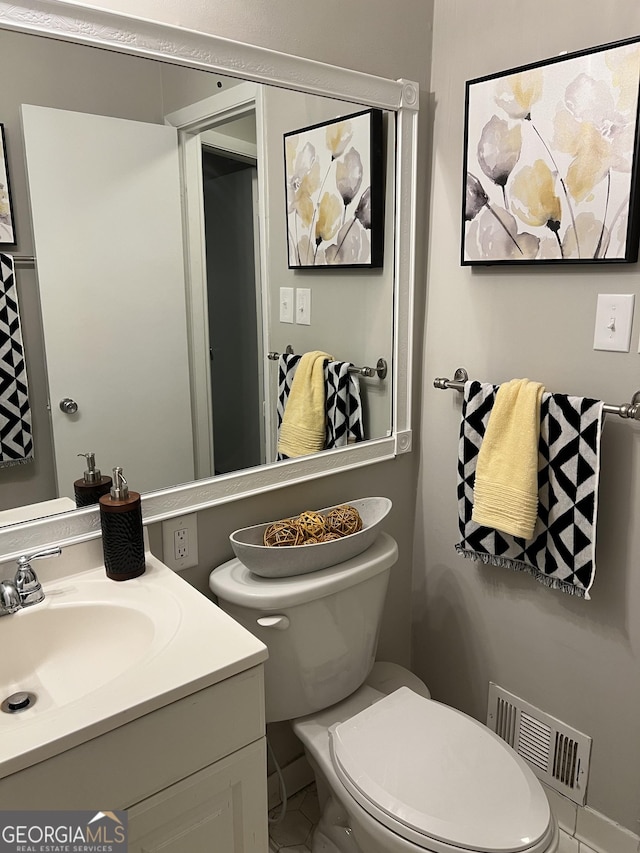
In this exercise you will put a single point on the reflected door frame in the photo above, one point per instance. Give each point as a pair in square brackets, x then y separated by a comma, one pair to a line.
[192, 122]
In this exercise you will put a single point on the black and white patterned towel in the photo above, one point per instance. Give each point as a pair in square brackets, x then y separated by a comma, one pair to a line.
[287, 365]
[343, 406]
[561, 553]
[16, 442]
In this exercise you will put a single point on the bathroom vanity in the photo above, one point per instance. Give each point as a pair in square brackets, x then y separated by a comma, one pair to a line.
[147, 697]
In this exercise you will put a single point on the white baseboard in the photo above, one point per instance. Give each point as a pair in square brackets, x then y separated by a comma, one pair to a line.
[591, 828]
[297, 775]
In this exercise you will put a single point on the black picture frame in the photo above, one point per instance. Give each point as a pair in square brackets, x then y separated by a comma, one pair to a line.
[551, 161]
[334, 193]
[7, 224]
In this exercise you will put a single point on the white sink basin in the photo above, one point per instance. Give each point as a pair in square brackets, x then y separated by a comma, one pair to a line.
[97, 653]
[73, 642]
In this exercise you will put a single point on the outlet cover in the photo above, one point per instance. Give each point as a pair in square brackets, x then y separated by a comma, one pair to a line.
[614, 315]
[180, 542]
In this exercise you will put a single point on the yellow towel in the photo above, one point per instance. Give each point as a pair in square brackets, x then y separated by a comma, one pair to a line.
[505, 495]
[303, 424]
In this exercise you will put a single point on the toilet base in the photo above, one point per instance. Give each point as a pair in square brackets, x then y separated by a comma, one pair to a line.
[333, 833]
[345, 827]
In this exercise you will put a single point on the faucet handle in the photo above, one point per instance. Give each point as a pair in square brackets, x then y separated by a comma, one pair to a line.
[25, 559]
[26, 581]
[10, 600]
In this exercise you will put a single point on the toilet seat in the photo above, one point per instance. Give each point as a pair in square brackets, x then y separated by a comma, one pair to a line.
[480, 796]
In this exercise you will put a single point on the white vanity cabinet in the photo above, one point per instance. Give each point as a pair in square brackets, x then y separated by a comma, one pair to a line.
[147, 698]
[191, 774]
[221, 809]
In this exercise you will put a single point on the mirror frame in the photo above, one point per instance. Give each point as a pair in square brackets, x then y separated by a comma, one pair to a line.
[167, 43]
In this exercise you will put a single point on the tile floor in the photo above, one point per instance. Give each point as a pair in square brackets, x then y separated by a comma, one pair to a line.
[293, 833]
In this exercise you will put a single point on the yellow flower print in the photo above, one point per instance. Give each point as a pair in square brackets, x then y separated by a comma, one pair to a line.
[517, 93]
[329, 216]
[596, 135]
[624, 65]
[338, 136]
[533, 196]
[303, 183]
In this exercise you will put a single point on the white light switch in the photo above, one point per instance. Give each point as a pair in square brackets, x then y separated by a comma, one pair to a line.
[303, 306]
[286, 305]
[614, 315]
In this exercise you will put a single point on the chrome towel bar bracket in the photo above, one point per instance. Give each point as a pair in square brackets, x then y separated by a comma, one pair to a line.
[630, 410]
[380, 370]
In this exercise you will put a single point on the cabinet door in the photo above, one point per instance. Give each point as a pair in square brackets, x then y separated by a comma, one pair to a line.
[221, 809]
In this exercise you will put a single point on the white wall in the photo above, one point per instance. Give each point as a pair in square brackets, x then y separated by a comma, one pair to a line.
[578, 660]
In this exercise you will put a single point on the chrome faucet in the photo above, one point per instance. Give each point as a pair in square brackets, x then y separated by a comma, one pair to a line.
[25, 589]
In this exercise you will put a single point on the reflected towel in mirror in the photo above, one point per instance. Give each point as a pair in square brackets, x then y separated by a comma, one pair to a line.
[16, 441]
[303, 429]
[344, 406]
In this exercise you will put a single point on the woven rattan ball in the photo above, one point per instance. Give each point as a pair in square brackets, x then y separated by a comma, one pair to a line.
[283, 533]
[344, 520]
[311, 523]
[311, 540]
[329, 537]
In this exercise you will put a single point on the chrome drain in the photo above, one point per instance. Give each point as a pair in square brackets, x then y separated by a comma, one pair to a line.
[18, 702]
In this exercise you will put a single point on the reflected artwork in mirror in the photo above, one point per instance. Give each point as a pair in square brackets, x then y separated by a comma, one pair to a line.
[169, 332]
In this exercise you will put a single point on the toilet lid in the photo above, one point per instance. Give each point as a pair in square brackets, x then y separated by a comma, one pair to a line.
[430, 772]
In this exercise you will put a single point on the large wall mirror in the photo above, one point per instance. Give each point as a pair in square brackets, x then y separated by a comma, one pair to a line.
[148, 179]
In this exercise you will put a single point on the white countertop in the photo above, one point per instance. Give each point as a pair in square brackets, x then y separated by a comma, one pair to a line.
[186, 645]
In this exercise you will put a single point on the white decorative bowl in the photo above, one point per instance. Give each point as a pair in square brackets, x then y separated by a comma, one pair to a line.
[285, 561]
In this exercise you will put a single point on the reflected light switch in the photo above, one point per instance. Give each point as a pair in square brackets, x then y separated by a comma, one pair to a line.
[614, 316]
[303, 306]
[286, 305]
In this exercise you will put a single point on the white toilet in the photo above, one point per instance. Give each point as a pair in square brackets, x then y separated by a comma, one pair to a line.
[396, 771]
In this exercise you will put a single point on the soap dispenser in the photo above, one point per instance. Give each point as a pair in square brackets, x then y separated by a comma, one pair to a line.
[93, 485]
[122, 535]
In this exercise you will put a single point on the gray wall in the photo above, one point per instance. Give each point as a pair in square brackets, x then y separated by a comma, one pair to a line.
[578, 660]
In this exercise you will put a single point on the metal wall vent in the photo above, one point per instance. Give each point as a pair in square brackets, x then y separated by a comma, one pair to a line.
[558, 754]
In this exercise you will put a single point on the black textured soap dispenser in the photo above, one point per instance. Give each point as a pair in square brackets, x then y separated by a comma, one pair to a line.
[93, 485]
[122, 534]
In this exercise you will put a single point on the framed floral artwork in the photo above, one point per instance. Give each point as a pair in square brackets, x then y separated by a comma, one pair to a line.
[551, 161]
[334, 190]
[7, 228]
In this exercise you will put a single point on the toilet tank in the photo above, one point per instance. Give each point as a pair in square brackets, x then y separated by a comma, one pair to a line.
[321, 628]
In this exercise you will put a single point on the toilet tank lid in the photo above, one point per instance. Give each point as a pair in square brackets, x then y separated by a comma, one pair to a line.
[232, 582]
[430, 772]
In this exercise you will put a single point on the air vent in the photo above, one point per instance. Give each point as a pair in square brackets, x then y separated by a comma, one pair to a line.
[557, 754]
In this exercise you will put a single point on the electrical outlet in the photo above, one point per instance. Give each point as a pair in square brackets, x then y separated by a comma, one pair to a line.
[180, 542]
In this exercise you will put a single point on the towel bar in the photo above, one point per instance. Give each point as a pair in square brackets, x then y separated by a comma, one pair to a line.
[380, 370]
[626, 410]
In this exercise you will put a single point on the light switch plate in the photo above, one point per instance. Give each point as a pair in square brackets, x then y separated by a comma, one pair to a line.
[303, 306]
[286, 305]
[614, 316]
